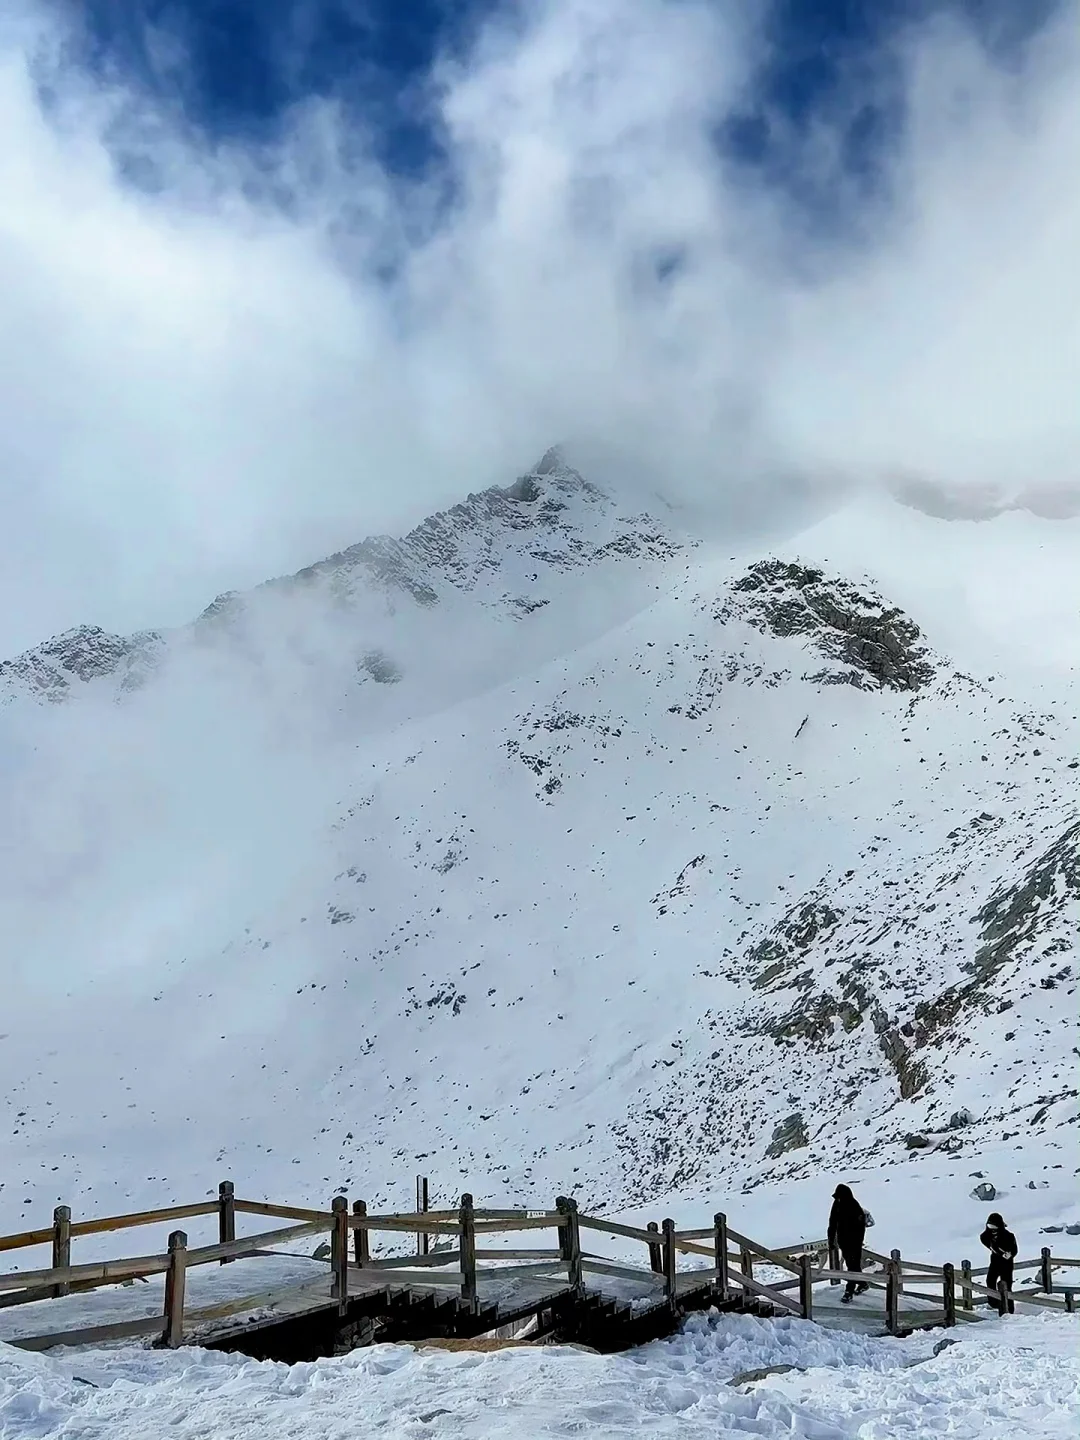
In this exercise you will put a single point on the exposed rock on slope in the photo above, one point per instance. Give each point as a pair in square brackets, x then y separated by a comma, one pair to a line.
[877, 643]
[50, 671]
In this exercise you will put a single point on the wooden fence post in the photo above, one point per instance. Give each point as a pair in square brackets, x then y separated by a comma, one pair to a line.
[670, 1282]
[892, 1298]
[1046, 1272]
[175, 1278]
[361, 1243]
[656, 1259]
[467, 1246]
[806, 1286]
[570, 1242]
[226, 1216]
[423, 1239]
[948, 1292]
[720, 1243]
[1070, 1302]
[574, 1271]
[61, 1246]
[746, 1265]
[339, 1253]
[834, 1259]
[895, 1256]
[966, 1291]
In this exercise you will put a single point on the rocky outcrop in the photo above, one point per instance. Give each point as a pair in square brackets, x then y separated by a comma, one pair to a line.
[871, 643]
[51, 671]
[790, 1134]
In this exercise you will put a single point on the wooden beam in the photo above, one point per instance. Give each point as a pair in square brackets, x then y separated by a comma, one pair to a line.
[226, 1216]
[656, 1255]
[1046, 1271]
[143, 1217]
[806, 1287]
[361, 1239]
[670, 1281]
[339, 1252]
[279, 1212]
[948, 1291]
[467, 1247]
[175, 1281]
[965, 1285]
[720, 1253]
[593, 1266]
[61, 1247]
[206, 1253]
[610, 1227]
[104, 1272]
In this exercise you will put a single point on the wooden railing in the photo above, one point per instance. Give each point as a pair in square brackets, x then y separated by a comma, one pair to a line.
[730, 1273]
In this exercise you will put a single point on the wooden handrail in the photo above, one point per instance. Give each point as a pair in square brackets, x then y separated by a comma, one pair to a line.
[526, 1222]
[755, 1287]
[595, 1266]
[233, 1248]
[104, 1271]
[612, 1227]
[26, 1239]
[278, 1212]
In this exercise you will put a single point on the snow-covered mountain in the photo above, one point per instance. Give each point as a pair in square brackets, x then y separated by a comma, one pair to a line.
[554, 849]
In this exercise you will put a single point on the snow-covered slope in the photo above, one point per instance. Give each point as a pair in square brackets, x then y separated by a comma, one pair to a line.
[554, 851]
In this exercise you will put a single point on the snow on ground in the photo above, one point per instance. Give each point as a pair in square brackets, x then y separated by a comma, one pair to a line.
[1010, 1380]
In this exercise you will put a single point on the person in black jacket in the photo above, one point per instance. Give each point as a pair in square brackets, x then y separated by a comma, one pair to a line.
[1002, 1246]
[847, 1230]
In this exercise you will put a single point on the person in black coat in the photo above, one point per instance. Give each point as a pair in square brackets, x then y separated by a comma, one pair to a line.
[847, 1230]
[1002, 1246]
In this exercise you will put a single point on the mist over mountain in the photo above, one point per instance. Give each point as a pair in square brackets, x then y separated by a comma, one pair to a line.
[559, 849]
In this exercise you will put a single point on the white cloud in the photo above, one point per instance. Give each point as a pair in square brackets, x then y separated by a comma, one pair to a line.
[201, 388]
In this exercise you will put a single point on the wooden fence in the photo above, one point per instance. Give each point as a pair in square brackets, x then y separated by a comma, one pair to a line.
[730, 1272]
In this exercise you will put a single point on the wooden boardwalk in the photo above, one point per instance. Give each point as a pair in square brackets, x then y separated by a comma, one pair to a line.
[289, 1306]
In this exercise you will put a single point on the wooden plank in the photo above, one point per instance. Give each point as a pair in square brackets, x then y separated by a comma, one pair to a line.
[609, 1227]
[412, 1262]
[318, 1290]
[27, 1238]
[143, 1217]
[518, 1255]
[506, 1272]
[623, 1272]
[130, 1329]
[773, 1257]
[206, 1253]
[766, 1292]
[691, 1247]
[524, 1222]
[104, 1272]
[92, 1335]
[279, 1212]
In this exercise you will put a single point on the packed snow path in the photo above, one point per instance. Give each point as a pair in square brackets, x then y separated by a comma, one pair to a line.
[1010, 1379]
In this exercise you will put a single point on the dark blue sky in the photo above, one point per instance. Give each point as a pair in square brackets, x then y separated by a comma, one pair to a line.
[247, 59]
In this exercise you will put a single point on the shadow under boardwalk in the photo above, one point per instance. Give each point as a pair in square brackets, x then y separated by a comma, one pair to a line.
[387, 1307]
